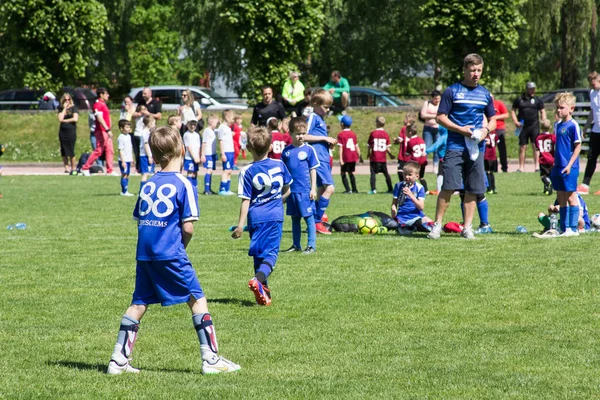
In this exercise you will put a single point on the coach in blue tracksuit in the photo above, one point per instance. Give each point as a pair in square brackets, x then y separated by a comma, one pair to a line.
[462, 109]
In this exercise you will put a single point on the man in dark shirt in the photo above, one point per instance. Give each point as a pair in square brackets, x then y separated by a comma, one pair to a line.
[267, 108]
[529, 106]
[153, 108]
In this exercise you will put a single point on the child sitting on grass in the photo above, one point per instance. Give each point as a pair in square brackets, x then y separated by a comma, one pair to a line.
[409, 202]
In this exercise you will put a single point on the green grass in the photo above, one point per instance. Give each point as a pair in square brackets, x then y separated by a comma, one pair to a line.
[33, 137]
[503, 317]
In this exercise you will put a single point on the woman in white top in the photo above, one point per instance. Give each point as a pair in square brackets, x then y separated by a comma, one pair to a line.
[430, 126]
[127, 109]
[190, 111]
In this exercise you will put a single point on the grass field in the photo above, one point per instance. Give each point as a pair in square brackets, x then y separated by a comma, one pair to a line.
[503, 317]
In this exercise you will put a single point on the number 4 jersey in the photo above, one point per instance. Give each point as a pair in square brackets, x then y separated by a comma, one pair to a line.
[261, 182]
[348, 142]
[165, 202]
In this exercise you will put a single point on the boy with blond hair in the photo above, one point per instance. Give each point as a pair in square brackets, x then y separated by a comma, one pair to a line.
[545, 144]
[378, 147]
[165, 212]
[262, 186]
[408, 202]
[192, 143]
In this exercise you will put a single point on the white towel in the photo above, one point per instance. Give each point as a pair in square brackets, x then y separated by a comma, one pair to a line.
[473, 144]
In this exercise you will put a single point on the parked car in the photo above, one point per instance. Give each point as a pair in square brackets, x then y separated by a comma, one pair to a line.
[20, 99]
[363, 96]
[83, 98]
[170, 97]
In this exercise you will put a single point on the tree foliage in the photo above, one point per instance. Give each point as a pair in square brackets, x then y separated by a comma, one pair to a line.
[48, 43]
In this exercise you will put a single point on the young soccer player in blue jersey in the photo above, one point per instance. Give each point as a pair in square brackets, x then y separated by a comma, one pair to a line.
[227, 152]
[262, 186]
[466, 110]
[583, 225]
[192, 142]
[125, 149]
[301, 160]
[318, 137]
[146, 160]
[165, 212]
[408, 202]
[565, 172]
[208, 155]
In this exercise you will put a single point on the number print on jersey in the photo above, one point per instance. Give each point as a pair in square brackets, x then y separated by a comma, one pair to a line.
[419, 150]
[350, 144]
[148, 204]
[379, 144]
[492, 140]
[278, 147]
[268, 183]
[545, 146]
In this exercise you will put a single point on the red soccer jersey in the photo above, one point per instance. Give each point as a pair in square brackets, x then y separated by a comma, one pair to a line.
[278, 143]
[347, 141]
[416, 150]
[379, 141]
[287, 138]
[237, 131]
[490, 147]
[500, 109]
[402, 156]
[545, 144]
[100, 107]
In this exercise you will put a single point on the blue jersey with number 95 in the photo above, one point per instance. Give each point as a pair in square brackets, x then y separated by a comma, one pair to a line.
[165, 202]
[261, 182]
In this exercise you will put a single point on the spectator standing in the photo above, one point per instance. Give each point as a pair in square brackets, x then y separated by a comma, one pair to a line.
[501, 115]
[104, 144]
[465, 108]
[593, 120]
[430, 126]
[68, 115]
[127, 109]
[267, 108]
[339, 88]
[293, 90]
[151, 107]
[529, 107]
[190, 111]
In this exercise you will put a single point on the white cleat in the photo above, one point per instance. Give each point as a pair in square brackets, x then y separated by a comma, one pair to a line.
[127, 194]
[569, 233]
[221, 365]
[116, 369]
[436, 231]
[85, 172]
[468, 234]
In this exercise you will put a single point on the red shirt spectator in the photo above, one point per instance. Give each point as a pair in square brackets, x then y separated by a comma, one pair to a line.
[347, 141]
[101, 107]
[379, 142]
[500, 109]
[545, 144]
[490, 147]
[416, 150]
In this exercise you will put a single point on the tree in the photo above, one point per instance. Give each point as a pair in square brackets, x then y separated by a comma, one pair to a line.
[45, 44]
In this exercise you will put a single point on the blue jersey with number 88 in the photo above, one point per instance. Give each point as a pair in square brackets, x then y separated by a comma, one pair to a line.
[261, 182]
[166, 201]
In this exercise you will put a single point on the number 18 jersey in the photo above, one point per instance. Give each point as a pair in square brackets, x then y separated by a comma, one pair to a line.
[261, 182]
[165, 202]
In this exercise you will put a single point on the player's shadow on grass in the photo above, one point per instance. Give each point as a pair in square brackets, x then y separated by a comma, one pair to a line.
[102, 367]
[241, 303]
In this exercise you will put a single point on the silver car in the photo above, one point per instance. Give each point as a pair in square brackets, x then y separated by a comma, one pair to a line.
[170, 97]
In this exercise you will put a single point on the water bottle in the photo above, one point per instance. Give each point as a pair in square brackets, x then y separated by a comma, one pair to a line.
[553, 222]
[521, 229]
[21, 225]
[10, 227]
[520, 128]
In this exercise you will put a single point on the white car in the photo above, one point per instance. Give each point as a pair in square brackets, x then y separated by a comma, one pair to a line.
[170, 97]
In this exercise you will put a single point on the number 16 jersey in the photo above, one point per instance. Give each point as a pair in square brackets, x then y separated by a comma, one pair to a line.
[166, 201]
[261, 182]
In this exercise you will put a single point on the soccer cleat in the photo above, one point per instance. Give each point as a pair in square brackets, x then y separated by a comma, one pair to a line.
[490, 191]
[569, 233]
[433, 192]
[347, 191]
[597, 193]
[583, 189]
[467, 233]
[114, 173]
[85, 172]
[435, 231]
[372, 192]
[127, 194]
[226, 193]
[322, 229]
[259, 293]
[209, 192]
[116, 369]
[221, 365]
[404, 231]
[293, 249]
[483, 229]
[324, 218]
[309, 250]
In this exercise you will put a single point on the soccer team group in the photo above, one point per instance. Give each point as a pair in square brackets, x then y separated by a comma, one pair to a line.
[301, 178]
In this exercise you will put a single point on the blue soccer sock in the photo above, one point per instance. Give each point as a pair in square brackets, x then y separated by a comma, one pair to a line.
[206, 336]
[574, 217]
[312, 231]
[193, 181]
[321, 207]
[124, 185]
[223, 186]
[483, 210]
[564, 216]
[125, 340]
[207, 182]
[142, 183]
[228, 186]
[296, 232]
[462, 210]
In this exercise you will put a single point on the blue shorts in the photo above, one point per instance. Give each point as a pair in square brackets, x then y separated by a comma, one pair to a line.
[166, 282]
[300, 205]
[564, 183]
[408, 219]
[211, 162]
[127, 168]
[324, 177]
[227, 165]
[265, 238]
[190, 166]
[146, 168]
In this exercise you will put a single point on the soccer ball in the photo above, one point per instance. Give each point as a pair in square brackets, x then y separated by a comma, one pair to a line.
[368, 226]
[596, 220]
